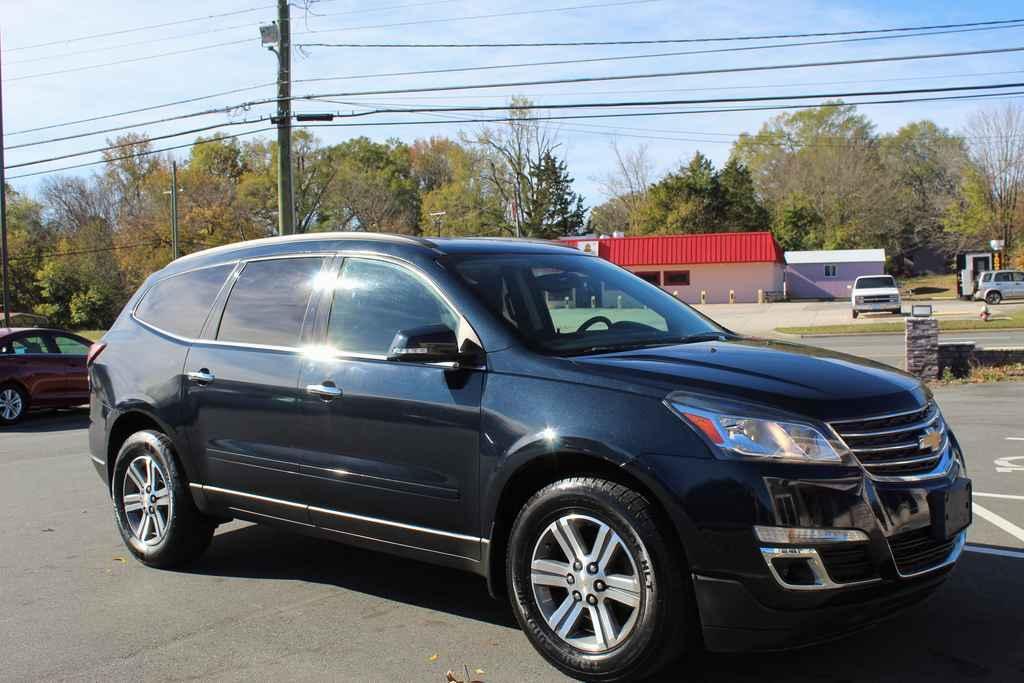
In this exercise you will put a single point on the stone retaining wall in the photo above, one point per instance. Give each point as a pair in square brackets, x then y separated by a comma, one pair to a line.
[960, 357]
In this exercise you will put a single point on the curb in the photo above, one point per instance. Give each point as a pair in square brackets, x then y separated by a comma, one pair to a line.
[877, 334]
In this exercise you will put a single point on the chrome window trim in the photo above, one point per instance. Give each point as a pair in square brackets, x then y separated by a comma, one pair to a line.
[417, 273]
[206, 488]
[954, 555]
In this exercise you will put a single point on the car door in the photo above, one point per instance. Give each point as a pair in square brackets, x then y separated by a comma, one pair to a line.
[241, 396]
[1018, 285]
[33, 363]
[392, 448]
[72, 351]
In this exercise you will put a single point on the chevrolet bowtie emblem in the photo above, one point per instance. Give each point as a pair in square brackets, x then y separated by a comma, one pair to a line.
[930, 441]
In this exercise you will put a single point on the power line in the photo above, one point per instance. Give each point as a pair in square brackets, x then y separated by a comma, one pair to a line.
[230, 43]
[120, 32]
[189, 100]
[121, 145]
[624, 77]
[192, 34]
[81, 252]
[664, 103]
[1003, 23]
[586, 79]
[549, 118]
[136, 155]
[531, 106]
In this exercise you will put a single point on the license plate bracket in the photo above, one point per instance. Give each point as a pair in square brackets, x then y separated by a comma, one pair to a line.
[951, 510]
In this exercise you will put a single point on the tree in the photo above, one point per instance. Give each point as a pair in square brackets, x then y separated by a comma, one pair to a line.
[626, 188]
[559, 210]
[825, 160]
[698, 198]
[514, 151]
[926, 165]
[997, 150]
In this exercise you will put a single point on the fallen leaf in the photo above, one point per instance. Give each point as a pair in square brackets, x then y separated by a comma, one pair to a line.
[121, 560]
[479, 672]
[47, 529]
[432, 658]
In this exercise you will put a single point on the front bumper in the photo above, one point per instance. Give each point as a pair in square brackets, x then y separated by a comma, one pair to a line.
[897, 561]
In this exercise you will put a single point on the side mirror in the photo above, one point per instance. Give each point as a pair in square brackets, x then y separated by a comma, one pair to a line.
[428, 344]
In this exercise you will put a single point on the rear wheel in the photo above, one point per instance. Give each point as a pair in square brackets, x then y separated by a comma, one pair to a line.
[155, 513]
[993, 297]
[13, 403]
[597, 586]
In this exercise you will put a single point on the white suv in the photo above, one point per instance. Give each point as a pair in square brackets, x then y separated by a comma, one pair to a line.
[875, 293]
[996, 285]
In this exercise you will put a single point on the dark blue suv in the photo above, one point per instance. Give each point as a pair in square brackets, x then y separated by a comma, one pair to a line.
[638, 480]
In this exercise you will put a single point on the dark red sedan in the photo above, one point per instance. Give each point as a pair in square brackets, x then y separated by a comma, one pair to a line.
[41, 368]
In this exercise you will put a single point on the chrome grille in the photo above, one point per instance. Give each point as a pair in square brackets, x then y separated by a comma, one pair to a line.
[896, 445]
[916, 551]
[880, 298]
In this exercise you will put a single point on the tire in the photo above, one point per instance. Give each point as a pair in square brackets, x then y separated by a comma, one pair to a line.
[647, 628]
[993, 297]
[13, 404]
[855, 314]
[177, 532]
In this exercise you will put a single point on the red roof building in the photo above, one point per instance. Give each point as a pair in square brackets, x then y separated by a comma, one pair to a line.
[719, 267]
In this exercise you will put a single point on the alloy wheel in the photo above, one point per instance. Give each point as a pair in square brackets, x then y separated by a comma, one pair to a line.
[11, 404]
[147, 499]
[586, 584]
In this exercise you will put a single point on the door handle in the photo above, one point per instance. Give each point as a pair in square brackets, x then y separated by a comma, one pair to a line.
[328, 392]
[202, 376]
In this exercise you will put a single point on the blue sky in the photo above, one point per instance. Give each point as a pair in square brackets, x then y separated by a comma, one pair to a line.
[31, 99]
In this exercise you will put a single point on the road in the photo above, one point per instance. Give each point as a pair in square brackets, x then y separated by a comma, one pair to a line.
[265, 605]
[890, 348]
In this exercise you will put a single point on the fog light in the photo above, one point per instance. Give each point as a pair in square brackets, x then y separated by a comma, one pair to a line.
[794, 571]
[796, 536]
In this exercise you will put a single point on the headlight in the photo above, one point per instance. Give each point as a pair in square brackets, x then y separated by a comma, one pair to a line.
[758, 438]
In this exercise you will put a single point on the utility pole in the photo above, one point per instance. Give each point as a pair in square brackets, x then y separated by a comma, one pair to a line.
[3, 216]
[285, 198]
[175, 251]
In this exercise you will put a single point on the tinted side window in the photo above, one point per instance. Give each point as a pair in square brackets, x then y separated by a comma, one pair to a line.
[180, 303]
[374, 299]
[1018, 277]
[70, 345]
[30, 344]
[268, 302]
[1003, 277]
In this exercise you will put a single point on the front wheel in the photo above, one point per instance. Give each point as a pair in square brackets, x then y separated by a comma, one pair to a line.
[855, 314]
[597, 585]
[155, 513]
[993, 297]
[13, 403]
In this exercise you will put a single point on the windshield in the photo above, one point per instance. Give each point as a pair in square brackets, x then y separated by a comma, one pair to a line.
[570, 305]
[875, 282]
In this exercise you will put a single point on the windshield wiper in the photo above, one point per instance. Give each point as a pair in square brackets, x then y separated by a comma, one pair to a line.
[666, 341]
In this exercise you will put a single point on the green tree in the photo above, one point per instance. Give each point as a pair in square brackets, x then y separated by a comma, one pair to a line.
[559, 211]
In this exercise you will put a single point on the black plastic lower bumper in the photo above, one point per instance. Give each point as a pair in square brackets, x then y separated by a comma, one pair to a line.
[735, 621]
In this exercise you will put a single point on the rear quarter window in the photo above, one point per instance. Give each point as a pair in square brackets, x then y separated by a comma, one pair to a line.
[180, 303]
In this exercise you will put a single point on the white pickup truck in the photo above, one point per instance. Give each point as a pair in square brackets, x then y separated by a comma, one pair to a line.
[875, 293]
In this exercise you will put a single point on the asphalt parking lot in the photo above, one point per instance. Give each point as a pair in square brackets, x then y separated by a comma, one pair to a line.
[264, 604]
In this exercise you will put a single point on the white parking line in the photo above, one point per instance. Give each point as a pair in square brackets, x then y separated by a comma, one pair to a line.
[1002, 552]
[1007, 496]
[1004, 524]
[1015, 438]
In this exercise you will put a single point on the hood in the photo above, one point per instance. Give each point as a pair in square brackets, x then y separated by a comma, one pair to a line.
[815, 382]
